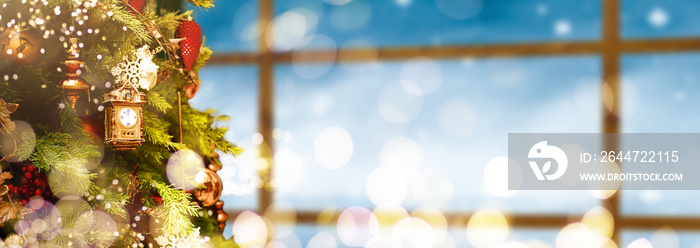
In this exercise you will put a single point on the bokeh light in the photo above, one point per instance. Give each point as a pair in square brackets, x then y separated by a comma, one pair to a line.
[182, 167]
[496, 177]
[380, 130]
[562, 27]
[386, 186]
[665, 237]
[402, 154]
[357, 226]
[640, 243]
[43, 218]
[312, 71]
[322, 240]
[413, 232]
[437, 222]
[64, 185]
[388, 215]
[459, 9]
[630, 101]
[423, 73]
[605, 189]
[337, 2]
[350, 16]
[431, 188]
[284, 239]
[600, 221]
[250, 230]
[289, 170]
[397, 105]
[104, 224]
[658, 17]
[579, 235]
[457, 118]
[487, 228]
[366, 48]
[22, 138]
[333, 147]
[289, 30]
[284, 213]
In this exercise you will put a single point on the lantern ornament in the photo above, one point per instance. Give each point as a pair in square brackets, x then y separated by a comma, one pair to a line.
[72, 84]
[124, 117]
[124, 105]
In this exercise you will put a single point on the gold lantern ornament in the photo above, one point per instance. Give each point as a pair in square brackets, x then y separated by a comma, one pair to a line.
[124, 105]
[124, 117]
[72, 84]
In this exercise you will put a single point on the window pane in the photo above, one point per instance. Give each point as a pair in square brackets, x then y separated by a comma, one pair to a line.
[658, 98]
[312, 236]
[235, 92]
[440, 22]
[231, 26]
[665, 237]
[422, 133]
[659, 18]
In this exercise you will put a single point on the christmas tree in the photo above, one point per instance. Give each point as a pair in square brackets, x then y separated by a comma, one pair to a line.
[98, 144]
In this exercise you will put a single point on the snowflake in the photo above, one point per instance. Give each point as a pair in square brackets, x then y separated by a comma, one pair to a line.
[141, 72]
[182, 241]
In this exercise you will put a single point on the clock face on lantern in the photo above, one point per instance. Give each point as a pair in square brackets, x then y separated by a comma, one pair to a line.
[127, 117]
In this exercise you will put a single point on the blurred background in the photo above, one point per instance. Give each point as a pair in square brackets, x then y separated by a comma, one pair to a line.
[384, 123]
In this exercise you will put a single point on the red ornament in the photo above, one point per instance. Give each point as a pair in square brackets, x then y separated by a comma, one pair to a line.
[189, 47]
[190, 90]
[138, 5]
[94, 125]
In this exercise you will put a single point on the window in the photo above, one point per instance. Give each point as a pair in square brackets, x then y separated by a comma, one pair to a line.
[408, 103]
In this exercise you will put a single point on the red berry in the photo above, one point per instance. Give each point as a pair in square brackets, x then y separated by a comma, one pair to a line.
[24, 181]
[37, 192]
[24, 168]
[28, 175]
[24, 202]
[30, 168]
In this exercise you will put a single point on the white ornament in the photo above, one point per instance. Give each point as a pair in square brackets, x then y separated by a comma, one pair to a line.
[191, 239]
[141, 72]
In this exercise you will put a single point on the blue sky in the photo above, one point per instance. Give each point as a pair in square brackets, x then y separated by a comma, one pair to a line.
[458, 124]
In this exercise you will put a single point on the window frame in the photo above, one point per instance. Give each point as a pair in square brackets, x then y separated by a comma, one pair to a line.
[610, 48]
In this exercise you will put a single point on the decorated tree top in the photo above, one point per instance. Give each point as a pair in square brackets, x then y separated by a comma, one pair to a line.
[63, 66]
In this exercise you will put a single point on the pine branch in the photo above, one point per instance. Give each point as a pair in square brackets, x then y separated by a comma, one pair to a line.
[177, 206]
[121, 15]
[110, 201]
[26, 147]
[158, 102]
[202, 3]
